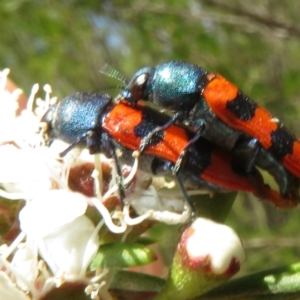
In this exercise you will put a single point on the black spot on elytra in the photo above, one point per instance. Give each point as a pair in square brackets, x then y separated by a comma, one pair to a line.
[282, 142]
[198, 157]
[242, 107]
[149, 123]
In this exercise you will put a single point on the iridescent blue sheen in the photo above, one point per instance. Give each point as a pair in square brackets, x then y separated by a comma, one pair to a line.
[74, 116]
[175, 85]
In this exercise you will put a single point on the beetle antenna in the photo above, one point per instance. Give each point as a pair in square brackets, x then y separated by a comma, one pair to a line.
[111, 72]
[114, 87]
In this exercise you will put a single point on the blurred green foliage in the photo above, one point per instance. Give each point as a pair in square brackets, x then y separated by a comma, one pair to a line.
[253, 43]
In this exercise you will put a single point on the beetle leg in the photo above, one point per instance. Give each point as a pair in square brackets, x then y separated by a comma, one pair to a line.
[245, 154]
[111, 148]
[187, 198]
[147, 139]
[180, 160]
[73, 145]
[249, 153]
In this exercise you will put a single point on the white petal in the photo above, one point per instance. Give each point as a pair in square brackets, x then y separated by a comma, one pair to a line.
[144, 198]
[25, 263]
[23, 170]
[70, 248]
[8, 290]
[51, 210]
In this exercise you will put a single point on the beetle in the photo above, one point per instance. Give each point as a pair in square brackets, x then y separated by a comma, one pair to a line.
[216, 109]
[94, 121]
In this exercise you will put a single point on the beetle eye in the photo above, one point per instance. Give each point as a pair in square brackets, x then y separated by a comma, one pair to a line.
[137, 86]
[141, 79]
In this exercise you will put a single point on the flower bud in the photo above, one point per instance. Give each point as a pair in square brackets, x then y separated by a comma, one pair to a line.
[207, 254]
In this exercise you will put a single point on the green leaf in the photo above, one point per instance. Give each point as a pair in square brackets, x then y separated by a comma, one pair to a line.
[136, 282]
[279, 283]
[216, 207]
[146, 241]
[122, 255]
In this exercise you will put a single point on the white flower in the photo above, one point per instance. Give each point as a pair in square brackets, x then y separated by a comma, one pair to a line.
[56, 227]
[162, 206]
[53, 221]
[65, 238]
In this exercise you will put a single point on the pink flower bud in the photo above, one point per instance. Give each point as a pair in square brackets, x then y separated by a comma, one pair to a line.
[207, 254]
[211, 247]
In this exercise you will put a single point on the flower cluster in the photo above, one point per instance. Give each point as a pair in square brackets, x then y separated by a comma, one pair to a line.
[55, 236]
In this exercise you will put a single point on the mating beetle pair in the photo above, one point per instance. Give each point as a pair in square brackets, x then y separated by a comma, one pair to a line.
[94, 121]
